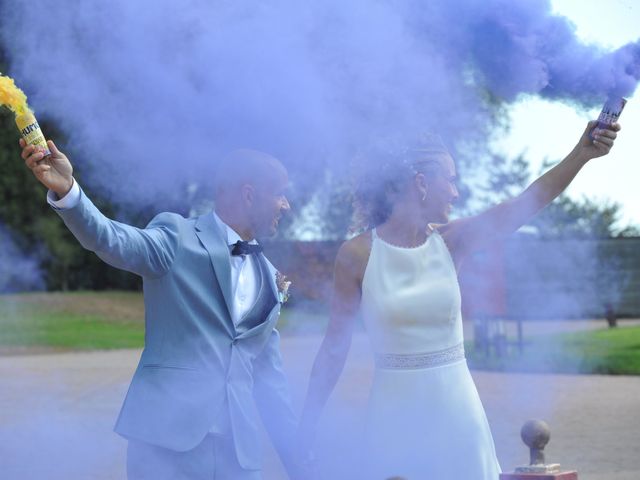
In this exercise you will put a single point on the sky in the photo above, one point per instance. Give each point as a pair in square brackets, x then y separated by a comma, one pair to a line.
[545, 129]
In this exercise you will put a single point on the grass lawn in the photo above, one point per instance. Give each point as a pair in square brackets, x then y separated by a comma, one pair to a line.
[71, 321]
[108, 320]
[608, 351]
[33, 322]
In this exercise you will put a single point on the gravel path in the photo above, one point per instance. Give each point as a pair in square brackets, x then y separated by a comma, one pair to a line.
[57, 412]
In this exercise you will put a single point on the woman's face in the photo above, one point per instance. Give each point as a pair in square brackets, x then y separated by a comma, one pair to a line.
[442, 191]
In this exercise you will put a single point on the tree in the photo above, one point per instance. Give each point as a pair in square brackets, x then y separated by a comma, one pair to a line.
[38, 237]
[326, 214]
[581, 218]
[565, 217]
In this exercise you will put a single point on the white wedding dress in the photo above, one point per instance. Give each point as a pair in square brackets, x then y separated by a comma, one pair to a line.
[425, 418]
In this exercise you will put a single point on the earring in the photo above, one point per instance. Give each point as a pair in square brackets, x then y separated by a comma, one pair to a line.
[424, 196]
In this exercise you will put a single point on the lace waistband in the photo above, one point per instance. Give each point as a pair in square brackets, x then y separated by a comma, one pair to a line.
[420, 360]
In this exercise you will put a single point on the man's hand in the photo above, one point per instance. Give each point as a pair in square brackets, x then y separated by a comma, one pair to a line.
[587, 149]
[53, 171]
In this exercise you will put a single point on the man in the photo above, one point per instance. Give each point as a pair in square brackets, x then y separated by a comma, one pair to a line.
[211, 360]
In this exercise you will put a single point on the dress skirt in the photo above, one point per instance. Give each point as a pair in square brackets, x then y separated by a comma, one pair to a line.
[428, 423]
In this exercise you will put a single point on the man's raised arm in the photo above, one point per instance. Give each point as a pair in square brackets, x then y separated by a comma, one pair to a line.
[147, 252]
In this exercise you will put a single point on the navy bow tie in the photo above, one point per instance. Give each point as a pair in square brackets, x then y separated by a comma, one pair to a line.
[245, 248]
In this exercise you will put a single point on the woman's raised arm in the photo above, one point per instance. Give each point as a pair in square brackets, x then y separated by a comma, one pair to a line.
[473, 233]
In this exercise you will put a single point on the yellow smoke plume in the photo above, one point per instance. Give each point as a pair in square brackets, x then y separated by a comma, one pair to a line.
[15, 100]
[12, 97]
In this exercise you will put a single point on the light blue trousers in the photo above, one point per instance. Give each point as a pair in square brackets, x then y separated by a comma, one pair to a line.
[213, 459]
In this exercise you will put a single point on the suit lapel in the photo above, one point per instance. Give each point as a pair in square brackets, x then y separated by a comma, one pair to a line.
[271, 275]
[215, 243]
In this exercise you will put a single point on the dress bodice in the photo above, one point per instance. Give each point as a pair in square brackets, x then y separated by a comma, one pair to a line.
[411, 297]
[422, 393]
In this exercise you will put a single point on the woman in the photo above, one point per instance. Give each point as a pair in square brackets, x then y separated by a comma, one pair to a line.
[425, 419]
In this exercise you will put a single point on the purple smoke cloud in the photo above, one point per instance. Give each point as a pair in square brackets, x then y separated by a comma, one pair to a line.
[18, 272]
[151, 92]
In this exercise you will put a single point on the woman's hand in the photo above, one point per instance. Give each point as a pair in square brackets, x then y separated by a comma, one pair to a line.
[305, 439]
[603, 141]
[54, 171]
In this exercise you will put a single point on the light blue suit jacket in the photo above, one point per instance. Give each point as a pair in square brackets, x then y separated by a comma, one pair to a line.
[198, 372]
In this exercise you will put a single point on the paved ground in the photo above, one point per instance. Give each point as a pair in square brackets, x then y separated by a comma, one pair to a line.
[57, 412]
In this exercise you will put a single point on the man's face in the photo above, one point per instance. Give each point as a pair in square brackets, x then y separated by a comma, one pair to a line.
[443, 192]
[270, 202]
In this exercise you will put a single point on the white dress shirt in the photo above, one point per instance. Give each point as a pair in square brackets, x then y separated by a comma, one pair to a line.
[244, 273]
[70, 200]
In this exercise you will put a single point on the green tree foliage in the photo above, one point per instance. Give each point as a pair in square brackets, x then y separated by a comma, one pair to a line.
[565, 217]
[582, 218]
[39, 233]
[325, 215]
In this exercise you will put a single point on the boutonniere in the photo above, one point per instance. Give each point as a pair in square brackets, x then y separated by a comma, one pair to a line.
[283, 287]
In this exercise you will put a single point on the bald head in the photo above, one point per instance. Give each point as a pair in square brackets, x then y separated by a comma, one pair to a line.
[245, 166]
[250, 192]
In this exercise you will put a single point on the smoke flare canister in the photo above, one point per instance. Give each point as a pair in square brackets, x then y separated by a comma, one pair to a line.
[610, 113]
[30, 131]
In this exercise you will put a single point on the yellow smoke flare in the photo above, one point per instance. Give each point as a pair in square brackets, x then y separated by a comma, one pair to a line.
[12, 97]
[15, 100]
